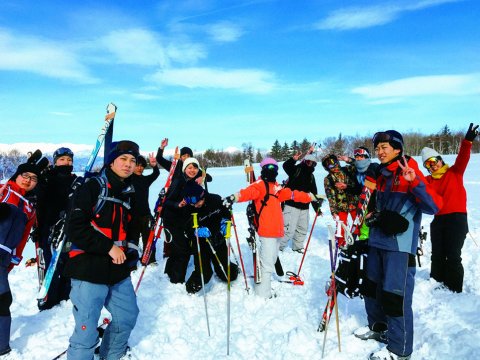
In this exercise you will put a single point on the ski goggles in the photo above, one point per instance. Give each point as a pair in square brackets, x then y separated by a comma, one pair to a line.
[361, 152]
[63, 151]
[330, 163]
[431, 161]
[271, 167]
[32, 178]
[192, 200]
[385, 137]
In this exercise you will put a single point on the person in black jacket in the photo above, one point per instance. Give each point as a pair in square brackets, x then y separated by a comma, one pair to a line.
[175, 219]
[212, 217]
[141, 216]
[295, 214]
[100, 260]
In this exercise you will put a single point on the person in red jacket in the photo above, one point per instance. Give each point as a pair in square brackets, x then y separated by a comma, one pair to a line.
[17, 217]
[449, 227]
[270, 223]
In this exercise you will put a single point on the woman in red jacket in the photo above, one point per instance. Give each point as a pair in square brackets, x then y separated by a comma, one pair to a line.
[270, 223]
[449, 226]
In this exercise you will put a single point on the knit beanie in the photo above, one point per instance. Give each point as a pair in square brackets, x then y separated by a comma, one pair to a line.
[186, 150]
[122, 147]
[427, 153]
[188, 161]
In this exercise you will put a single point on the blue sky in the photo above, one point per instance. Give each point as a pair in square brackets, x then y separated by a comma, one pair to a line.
[210, 73]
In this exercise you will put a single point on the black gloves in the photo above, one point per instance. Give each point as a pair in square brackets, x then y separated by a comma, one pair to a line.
[229, 200]
[390, 222]
[472, 132]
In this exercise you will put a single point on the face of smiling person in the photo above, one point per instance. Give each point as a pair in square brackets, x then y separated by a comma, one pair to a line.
[27, 181]
[191, 171]
[385, 152]
[123, 165]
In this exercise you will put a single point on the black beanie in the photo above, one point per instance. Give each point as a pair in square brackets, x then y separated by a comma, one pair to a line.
[186, 150]
[141, 161]
[193, 192]
[122, 147]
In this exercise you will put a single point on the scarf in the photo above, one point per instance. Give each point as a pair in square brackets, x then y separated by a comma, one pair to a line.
[440, 172]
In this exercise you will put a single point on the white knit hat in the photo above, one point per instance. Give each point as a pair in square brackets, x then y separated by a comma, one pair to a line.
[427, 153]
[188, 161]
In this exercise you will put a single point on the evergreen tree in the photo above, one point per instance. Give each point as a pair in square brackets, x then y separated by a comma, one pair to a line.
[304, 146]
[276, 151]
[258, 156]
[286, 152]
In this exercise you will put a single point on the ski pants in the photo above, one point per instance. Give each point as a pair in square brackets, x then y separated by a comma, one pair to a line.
[5, 316]
[268, 256]
[391, 274]
[209, 259]
[295, 226]
[448, 234]
[88, 300]
[181, 250]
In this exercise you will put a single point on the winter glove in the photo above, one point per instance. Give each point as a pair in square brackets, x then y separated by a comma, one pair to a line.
[317, 198]
[391, 222]
[229, 201]
[223, 227]
[4, 210]
[203, 232]
[472, 132]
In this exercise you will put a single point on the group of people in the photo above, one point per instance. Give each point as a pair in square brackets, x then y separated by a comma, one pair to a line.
[108, 213]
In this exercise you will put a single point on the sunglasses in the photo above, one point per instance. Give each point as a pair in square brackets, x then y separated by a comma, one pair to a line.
[32, 178]
[361, 152]
[385, 137]
[432, 161]
[63, 151]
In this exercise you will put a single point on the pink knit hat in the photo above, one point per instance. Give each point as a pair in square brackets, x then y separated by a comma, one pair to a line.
[268, 161]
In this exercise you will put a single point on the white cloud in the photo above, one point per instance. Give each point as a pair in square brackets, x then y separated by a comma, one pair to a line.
[39, 56]
[136, 46]
[224, 31]
[364, 17]
[244, 80]
[454, 85]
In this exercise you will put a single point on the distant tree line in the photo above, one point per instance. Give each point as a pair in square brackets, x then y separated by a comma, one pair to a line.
[444, 141]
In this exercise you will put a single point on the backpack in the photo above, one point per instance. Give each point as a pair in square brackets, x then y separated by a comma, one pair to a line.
[351, 272]
[252, 215]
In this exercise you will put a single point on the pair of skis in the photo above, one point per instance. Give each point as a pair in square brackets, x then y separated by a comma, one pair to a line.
[157, 226]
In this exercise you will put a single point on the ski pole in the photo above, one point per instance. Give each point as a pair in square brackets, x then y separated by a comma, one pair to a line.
[216, 256]
[240, 253]
[296, 277]
[227, 239]
[195, 226]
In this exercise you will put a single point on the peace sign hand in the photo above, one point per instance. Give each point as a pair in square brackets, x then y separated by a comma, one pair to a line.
[407, 172]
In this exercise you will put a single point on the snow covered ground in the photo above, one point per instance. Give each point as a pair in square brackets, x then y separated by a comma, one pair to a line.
[172, 324]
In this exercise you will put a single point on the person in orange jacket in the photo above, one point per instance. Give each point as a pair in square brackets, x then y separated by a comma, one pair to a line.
[270, 223]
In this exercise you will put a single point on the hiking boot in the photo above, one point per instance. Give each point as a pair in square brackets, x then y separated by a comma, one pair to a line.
[385, 354]
[365, 333]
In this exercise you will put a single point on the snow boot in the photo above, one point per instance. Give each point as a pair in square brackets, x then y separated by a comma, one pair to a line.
[377, 333]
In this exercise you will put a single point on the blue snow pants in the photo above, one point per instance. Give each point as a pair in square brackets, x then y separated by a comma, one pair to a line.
[393, 275]
[88, 300]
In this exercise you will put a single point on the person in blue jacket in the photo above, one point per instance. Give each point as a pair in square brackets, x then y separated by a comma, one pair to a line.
[403, 194]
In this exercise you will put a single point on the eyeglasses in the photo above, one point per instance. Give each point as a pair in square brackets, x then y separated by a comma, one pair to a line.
[63, 151]
[432, 161]
[361, 152]
[310, 163]
[32, 178]
[385, 137]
